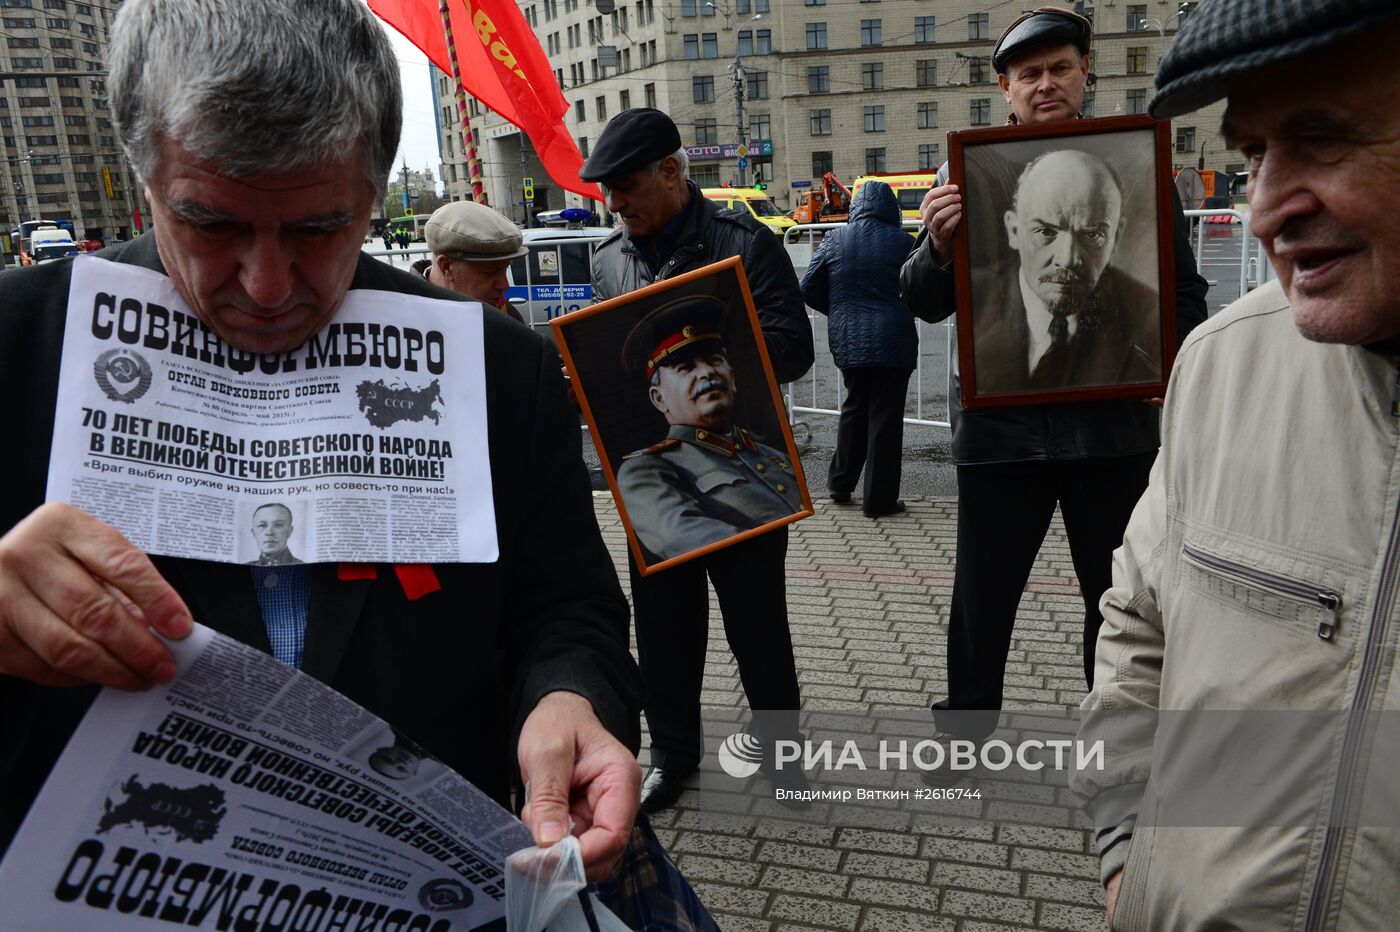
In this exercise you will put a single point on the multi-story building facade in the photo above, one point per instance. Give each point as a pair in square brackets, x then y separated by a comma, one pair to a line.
[61, 158]
[848, 86]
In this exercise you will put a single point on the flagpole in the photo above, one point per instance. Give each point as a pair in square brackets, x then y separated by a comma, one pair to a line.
[468, 139]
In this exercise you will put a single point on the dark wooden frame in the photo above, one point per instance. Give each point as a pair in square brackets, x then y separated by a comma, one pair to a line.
[590, 396]
[958, 143]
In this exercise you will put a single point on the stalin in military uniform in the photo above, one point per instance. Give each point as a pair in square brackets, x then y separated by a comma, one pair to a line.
[668, 228]
[708, 480]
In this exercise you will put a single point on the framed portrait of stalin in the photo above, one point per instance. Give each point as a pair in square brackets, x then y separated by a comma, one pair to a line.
[1063, 261]
[676, 386]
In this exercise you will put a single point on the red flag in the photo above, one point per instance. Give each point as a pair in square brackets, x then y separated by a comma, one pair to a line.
[502, 66]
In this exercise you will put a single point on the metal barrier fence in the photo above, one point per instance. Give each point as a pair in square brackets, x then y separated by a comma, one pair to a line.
[937, 369]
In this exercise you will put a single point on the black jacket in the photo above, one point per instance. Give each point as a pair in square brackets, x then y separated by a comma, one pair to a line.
[710, 234]
[1068, 431]
[548, 614]
[854, 280]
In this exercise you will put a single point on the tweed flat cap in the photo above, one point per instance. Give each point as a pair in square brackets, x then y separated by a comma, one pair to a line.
[632, 139]
[1046, 25]
[472, 231]
[1226, 38]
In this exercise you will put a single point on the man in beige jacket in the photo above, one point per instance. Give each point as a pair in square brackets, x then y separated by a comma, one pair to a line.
[1259, 571]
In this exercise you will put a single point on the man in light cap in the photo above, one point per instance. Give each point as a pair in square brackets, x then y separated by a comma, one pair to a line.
[669, 228]
[1016, 464]
[1259, 571]
[262, 173]
[472, 250]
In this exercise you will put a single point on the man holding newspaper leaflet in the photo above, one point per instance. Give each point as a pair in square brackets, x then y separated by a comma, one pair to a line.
[264, 132]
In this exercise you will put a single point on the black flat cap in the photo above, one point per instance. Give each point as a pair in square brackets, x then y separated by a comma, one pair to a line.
[632, 139]
[1226, 38]
[1047, 25]
[676, 330]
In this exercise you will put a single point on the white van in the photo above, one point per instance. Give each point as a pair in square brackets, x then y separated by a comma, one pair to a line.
[556, 276]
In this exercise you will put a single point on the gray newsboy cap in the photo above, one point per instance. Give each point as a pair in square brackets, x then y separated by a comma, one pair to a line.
[1226, 38]
[468, 230]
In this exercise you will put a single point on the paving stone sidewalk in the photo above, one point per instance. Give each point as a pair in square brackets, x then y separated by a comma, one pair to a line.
[868, 606]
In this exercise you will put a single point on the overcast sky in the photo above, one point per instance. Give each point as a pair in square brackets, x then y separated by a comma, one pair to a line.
[419, 141]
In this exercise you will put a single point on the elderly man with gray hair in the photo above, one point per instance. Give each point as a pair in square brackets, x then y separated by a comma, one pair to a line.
[264, 132]
[472, 250]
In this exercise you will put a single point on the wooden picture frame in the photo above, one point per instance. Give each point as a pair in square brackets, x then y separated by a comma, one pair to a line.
[693, 466]
[1065, 225]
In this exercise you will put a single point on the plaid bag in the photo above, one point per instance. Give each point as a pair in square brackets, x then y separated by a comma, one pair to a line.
[648, 892]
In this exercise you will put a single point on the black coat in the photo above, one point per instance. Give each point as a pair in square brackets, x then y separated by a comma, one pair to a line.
[712, 233]
[548, 614]
[854, 280]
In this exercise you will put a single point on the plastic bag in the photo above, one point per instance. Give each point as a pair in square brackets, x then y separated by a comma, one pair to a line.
[543, 887]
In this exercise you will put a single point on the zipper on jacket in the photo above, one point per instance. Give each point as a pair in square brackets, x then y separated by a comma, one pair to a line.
[1329, 600]
[1395, 394]
[1361, 701]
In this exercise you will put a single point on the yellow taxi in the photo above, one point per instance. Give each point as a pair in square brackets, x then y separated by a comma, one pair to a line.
[756, 202]
[908, 188]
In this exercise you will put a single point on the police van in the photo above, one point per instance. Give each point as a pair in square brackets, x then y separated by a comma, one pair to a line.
[556, 275]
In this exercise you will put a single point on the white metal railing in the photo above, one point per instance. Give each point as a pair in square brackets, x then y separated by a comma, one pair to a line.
[800, 242]
[400, 258]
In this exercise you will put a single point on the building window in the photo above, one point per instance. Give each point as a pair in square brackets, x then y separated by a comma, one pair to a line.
[760, 127]
[1136, 17]
[870, 30]
[820, 121]
[874, 160]
[1186, 139]
[818, 79]
[702, 89]
[1137, 100]
[600, 108]
[923, 30]
[706, 132]
[705, 176]
[1137, 59]
[926, 72]
[624, 100]
[928, 156]
[980, 111]
[649, 94]
[928, 115]
[756, 84]
[709, 45]
[691, 43]
[875, 119]
[978, 26]
[872, 75]
[688, 8]
[979, 70]
[746, 42]
[751, 6]
[814, 2]
[583, 146]
[816, 35]
[580, 113]
[821, 163]
[1086, 109]
[764, 43]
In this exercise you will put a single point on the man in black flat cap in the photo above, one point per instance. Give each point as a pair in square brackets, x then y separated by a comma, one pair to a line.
[1258, 571]
[669, 228]
[709, 479]
[1016, 464]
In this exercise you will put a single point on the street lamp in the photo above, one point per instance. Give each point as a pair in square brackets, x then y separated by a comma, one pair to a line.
[1161, 25]
[737, 70]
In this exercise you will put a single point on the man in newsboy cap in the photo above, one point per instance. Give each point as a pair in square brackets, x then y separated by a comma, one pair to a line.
[1259, 569]
[472, 250]
[1017, 464]
[669, 228]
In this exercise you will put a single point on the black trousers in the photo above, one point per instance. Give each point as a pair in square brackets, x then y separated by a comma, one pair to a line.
[1004, 512]
[672, 618]
[870, 435]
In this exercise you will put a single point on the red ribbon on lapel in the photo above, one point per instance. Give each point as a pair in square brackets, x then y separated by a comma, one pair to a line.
[417, 579]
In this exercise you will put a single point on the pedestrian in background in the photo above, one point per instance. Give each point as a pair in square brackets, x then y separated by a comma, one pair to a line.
[854, 281]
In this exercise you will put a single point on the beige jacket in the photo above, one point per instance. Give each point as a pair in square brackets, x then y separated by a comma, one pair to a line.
[1258, 572]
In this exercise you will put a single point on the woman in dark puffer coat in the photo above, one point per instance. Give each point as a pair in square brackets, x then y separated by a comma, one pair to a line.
[854, 280]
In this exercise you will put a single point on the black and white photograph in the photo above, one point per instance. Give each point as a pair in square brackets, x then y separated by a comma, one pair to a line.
[269, 535]
[686, 415]
[1067, 262]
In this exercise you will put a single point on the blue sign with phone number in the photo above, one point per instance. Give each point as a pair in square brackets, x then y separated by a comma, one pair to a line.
[551, 292]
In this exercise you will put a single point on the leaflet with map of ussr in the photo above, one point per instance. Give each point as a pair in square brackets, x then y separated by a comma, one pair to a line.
[248, 795]
[366, 444]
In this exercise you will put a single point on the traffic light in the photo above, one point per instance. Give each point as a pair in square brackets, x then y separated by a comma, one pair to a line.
[758, 178]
